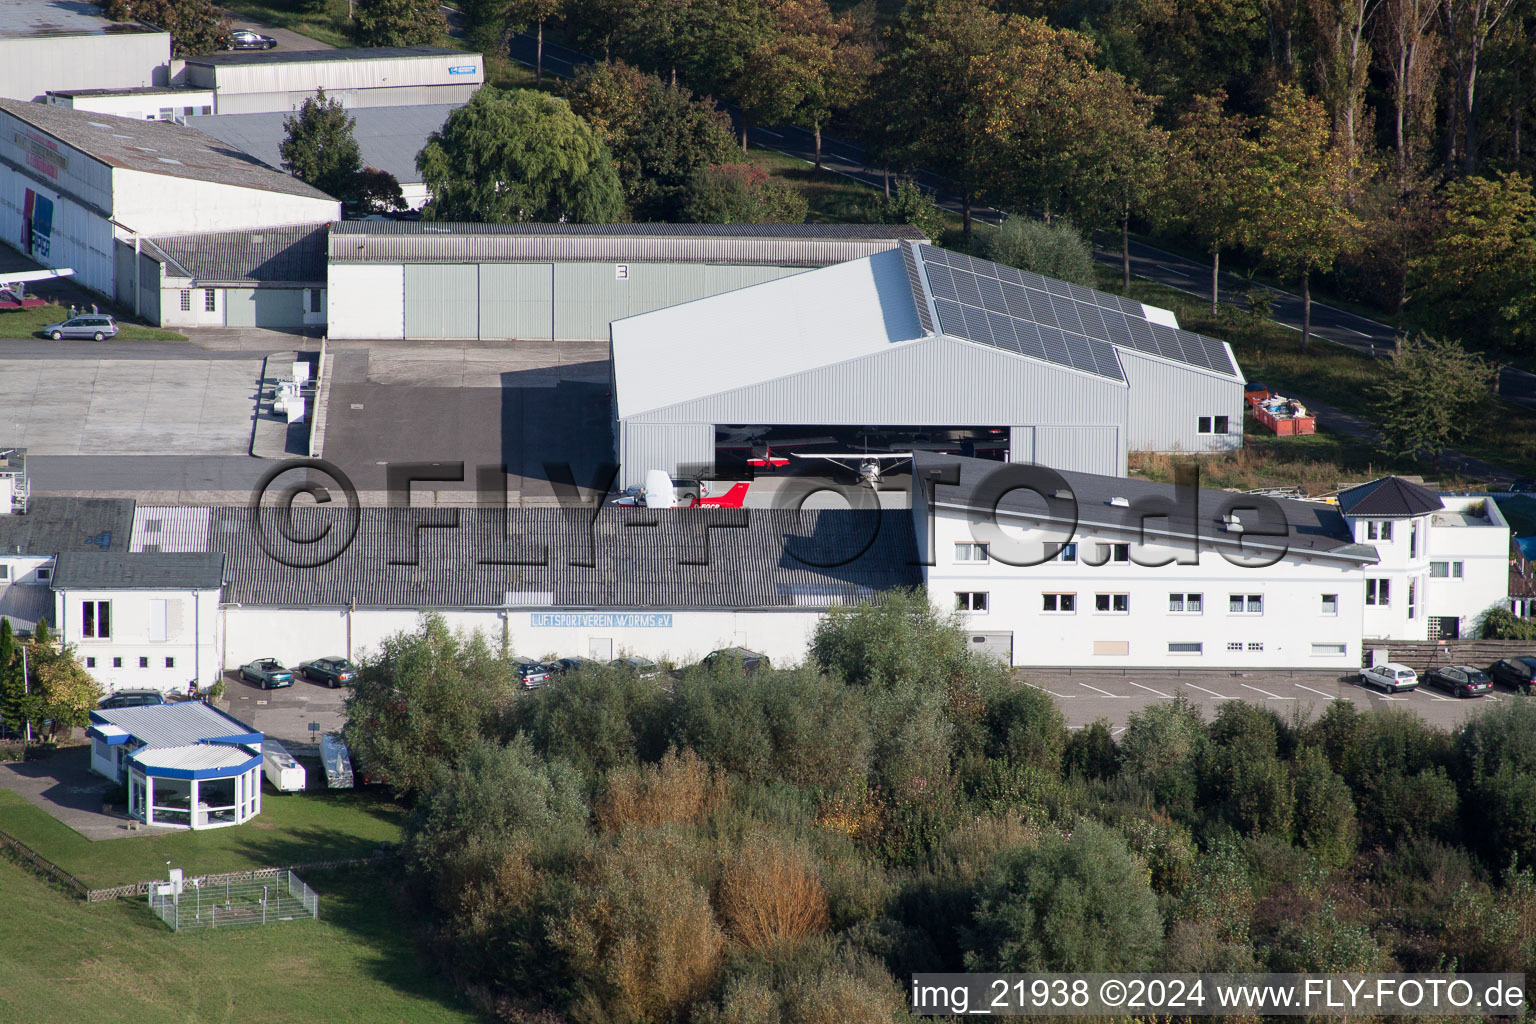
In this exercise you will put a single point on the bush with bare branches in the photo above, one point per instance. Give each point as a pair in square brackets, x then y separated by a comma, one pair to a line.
[679, 789]
[771, 894]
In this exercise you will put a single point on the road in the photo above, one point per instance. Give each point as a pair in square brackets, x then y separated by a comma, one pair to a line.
[1086, 695]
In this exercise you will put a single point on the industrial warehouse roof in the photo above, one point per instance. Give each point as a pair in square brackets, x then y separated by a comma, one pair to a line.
[311, 56]
[1120, 504]
[1390, 497]
[389, 137]
[155, 147]
[91, 570]
[176, 725]
[24, 19]
[52, 525]
[136, 90]
[689, 558]
[287, 255]
[787, 245]
[765, 331]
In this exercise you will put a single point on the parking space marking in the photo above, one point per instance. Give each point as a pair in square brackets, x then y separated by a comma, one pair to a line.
[1320, 693]
[1160, 693]
[1271, 696]
[1118, 731]
[1433, 696]
[1213, 693]
[1042, 689]
[1117, 696]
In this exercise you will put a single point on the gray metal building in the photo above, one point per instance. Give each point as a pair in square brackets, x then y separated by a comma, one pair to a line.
[274, 277]
[917, 348]
[543, 282]
[49, 44]
[385, 76]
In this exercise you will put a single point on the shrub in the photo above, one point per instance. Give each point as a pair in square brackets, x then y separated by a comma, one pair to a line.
[596, 720]
[741, 194]
[898, 637]
[679, 789]
[1080, 904]
[771, 895]
[1241, 772]
[1091, 753]
[1057, 249]
[1161, 747]
[1325, 811]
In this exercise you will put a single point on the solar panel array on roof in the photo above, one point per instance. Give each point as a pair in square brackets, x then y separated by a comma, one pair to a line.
[988, 303]
[1066, 323]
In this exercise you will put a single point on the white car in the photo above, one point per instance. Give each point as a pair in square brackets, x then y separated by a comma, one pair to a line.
[1390, 677]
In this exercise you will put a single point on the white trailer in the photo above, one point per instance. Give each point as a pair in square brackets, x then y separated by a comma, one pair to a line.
[285, 774]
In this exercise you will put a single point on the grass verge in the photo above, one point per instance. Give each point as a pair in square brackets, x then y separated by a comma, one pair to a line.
[66, 961]
[327, 22]
[291, 829]
[29, 322]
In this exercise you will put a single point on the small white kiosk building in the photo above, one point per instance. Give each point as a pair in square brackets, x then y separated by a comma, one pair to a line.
[186, 765]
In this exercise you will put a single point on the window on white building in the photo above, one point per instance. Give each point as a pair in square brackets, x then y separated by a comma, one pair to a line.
[1068, 553]
[1413, 599]
[5, 572]
[1114, 552]
[1441, 570]
[970, 552]
[314, 301]
[143, 662]
[1190, 604]
[1245, 604]
[971, 601]
[1330, 604]
[1185, 648]
[1413, 541]
[1212, 425]
[96, 620]
[1255, 646]
[1058, 602]
[1329, 650]
[186, 300]
[44, 573]
[1112, 603]
[1378, 529]
[1378, 592]
[210, 300]
[90, 662]
[1234, 645]
[117, 662]
[170, 662]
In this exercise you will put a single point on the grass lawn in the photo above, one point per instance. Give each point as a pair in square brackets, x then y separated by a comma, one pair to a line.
[291, 829]
[67, 961]
[326, 21]
[26, 323]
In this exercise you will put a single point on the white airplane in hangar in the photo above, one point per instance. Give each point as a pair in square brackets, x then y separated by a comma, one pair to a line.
[13, 286]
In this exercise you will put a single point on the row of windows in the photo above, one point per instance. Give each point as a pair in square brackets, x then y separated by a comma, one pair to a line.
[118, 662]
[1181, 604]
[210, 300]
[1252, 647]
[973, 552]
[44, 573]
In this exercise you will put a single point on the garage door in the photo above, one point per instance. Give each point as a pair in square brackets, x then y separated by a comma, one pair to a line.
[261, 307]
[993, 645]
[517, 300]
[442, 300]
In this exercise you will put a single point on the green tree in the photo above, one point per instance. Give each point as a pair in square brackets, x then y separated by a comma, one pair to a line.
[1295, 209]
[507, 157]
[1496, 761]
[911, 205]
[378, 191]
[1242, 776]
[741, 194]
[1091, 752]
[61, 691]
[1325, 811]
[659, 136]
[535, 12]
[1477, 280]
[1080, 904]
[424, 701]
[1433, 394]
[1208, 158]
[319, 147]
[398, 22]
[196, 26]
[1057, 249]
[12, 697]
[701, 43]
[898, 637]
[1162, 747]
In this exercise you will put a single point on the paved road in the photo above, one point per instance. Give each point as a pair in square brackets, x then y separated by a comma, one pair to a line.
[1086, 695]
[286, 38]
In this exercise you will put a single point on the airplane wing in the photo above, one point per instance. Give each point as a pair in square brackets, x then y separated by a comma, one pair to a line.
[26, 276]
[834, 456]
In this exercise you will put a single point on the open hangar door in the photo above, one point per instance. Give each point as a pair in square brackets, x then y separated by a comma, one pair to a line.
[742, 450]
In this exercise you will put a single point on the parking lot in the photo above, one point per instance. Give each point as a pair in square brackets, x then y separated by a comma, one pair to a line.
[288, 712]
[1086, 695]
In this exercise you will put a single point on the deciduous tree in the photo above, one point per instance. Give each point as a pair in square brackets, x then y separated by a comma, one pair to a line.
[1468, 24]
[1409, 50]
[1434, 394]
[320, 148]
[518, 156]
[196, 26]
[1341, 42]
[398, 22]
[741, 194]
[1208, 159]
[702, 43]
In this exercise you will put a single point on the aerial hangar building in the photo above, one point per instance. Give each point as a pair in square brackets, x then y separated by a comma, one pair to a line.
[917, 348]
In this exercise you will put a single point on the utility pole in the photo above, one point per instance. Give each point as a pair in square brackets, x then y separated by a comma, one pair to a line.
[26, 688]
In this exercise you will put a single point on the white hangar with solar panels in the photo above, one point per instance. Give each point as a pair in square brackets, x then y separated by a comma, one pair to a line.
[917, 348]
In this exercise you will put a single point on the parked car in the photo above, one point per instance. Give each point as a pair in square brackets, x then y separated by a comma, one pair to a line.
[333, 672]
[98, 327]
[531, 674]
[747, 661]
[1517, 673]
[565, 665]
[1460, 680]
[1390, 677]
[132, 699]
[245, 39]
[266, 673]
[645, 668]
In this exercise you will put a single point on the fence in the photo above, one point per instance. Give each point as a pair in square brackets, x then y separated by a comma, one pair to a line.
[1423, 655]
[30, 858]
[132, 889]
[234, 900]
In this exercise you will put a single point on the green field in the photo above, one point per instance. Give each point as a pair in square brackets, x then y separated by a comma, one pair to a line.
[29, 322]
[291, 829]
[67, 961]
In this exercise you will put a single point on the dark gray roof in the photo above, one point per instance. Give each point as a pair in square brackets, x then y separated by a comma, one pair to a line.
[1389, 498]
[52, 525]
[25, 604]
[1308, 527]
[155, 147]
[1018, 311]
[753, 559]
[423, 227]
[144, 570]
[286, 255]
[389, 137]
[311, 56]
[23, 19]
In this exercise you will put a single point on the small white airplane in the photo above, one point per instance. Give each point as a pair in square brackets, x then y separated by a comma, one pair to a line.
[13, 285]
[868, 465]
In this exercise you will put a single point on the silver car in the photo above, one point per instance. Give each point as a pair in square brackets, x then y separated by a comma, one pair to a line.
[98, 326]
